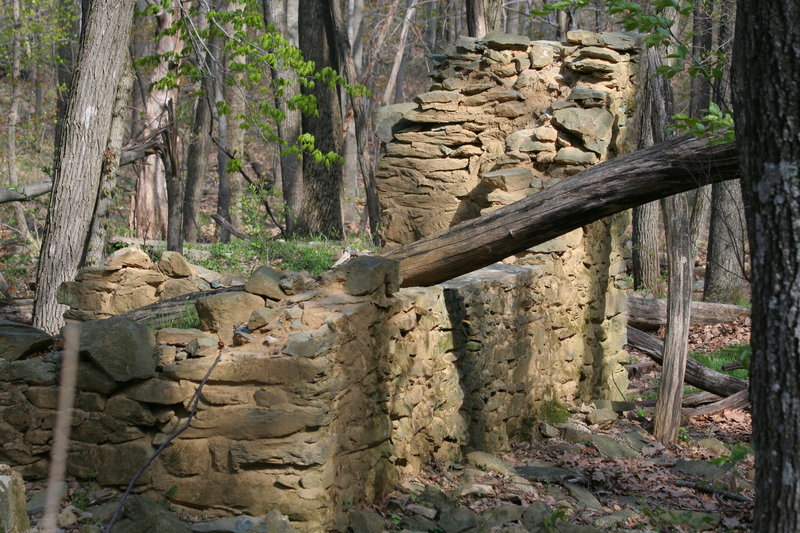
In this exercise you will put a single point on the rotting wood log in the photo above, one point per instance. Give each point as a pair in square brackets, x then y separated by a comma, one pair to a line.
[162, 314]
[30, 191]
[651, 313]
[739, 400]
[667, 168]
[697, 374]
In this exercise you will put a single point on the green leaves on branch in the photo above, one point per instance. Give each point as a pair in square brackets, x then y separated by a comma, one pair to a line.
[254, 59]
[717, 124]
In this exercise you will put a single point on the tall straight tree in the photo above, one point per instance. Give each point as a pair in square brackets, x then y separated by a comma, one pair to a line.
[283, 15]
[766, 88]
[321, 212]
[79, 161]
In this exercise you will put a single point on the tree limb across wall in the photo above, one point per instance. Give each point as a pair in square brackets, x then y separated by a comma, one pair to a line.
[667, 168]
[131, 153]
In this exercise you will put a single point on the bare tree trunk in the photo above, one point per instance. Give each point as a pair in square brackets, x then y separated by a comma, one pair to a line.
[355, 19]
[653, 111]
[766, 70]
[95, 246]
[151, 189]
[698, 104]
[198, 150]
[725, 277]
[676, 343]
[79, 164]
[13, 118]
[512, 17]
[321, 212]
[411, 6]
[476, 18]
[283, 14]
[360, 121]
[169, 158]
[495, 15]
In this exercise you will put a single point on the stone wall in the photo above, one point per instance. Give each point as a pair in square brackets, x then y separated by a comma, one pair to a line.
[327, 390]
[505, 117]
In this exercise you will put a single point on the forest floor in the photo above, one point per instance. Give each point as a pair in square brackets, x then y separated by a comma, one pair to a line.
[601, 473]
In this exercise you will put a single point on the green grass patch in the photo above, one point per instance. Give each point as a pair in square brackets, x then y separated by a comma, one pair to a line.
[238, 257]
[731, 354]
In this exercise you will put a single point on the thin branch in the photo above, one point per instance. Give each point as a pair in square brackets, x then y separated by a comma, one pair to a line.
[164, 444]
[710, 489]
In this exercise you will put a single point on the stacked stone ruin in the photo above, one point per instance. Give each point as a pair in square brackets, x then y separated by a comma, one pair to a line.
[329, 389]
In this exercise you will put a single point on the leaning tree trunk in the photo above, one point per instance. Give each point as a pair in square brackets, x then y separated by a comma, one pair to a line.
[321, 213]
[95, 246]
[766, 73]
[667, 168]
[679, 251]
[78, 165]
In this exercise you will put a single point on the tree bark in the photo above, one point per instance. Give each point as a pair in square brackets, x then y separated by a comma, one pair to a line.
[697, 374]
[667, 168]
[199, 148]
[766, 87]
[679, 252]
[13, 119]
[651, 313]
[321, 213]
[96, 244]
[388, 93]
[283, 14]
[360, 115]
[725, 276]
[151, 189]
[80, 157]
[476, 18]
[653, 111]
[725, 279]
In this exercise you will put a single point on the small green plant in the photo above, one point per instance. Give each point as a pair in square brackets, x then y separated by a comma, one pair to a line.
[738, 453]
[559, 514]
[80, 498]
[554, 412]
[683, 435]
[731, 354]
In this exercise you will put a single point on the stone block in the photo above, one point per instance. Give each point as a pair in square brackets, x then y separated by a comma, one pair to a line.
[160, 391]
[219, 313]
[365, 275]
[592, 125]
[174, 265]
[13, 511]
[180, 336]
[574, 156]
[123, 349]
[265, 281]
[131, 256]
[172, 288]
[127, 410]
[497, 40]
[30, 371]
[19, 340]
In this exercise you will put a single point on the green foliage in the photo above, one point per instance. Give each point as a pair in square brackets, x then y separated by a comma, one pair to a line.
[716, 124]
[730, 354]
[252, 50]
[554, 412]
[738, 453]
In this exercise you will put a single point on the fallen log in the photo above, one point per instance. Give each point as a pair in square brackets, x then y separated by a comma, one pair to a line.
[697, 374]
[667, 168]
[25, 192]
[651, 313]
[167, 312]
[30, 191]
[740, 400]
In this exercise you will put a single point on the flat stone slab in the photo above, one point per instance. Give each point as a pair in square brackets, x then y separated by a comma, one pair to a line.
[545, 473]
